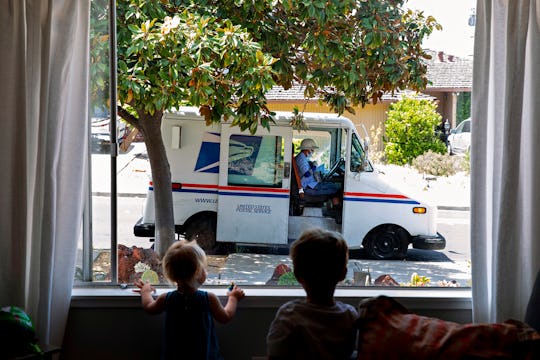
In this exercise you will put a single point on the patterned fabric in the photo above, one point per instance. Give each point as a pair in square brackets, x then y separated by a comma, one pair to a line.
[388, 331]
[189, 328]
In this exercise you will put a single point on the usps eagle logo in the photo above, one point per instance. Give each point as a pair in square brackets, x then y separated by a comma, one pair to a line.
[208, 159]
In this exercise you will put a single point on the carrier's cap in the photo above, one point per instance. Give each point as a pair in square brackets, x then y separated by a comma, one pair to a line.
[308, 144]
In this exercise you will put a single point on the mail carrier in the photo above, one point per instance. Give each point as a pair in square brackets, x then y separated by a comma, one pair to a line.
[232, 187]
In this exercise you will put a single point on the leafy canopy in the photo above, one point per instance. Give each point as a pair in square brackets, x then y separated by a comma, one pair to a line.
[224, 55]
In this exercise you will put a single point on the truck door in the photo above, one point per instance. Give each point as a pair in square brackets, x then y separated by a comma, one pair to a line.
[254, 182]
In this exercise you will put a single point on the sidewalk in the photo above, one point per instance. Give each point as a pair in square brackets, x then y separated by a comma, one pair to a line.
[446, 192]
[133, 169]
[257, 269]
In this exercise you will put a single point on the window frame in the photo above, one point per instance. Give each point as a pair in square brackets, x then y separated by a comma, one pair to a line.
[112, 285]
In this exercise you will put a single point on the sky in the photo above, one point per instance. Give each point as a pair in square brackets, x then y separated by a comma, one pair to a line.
[456, 37]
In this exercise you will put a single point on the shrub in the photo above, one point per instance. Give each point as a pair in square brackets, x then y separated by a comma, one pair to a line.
[288, 279]
[466, 163]
[436, 164]
[410, 130]
[418, 280]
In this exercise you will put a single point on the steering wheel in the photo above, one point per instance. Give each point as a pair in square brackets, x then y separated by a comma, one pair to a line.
[334, 169]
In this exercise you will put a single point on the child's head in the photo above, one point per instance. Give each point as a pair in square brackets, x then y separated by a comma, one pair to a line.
[185, 264]
[320, 258]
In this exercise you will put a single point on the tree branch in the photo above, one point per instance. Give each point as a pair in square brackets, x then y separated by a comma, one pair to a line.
[128, 117]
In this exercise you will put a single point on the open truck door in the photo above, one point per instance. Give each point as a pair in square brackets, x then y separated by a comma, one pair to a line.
[254, 183]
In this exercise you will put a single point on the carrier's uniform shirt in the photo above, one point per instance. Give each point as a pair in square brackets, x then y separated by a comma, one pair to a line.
[309, 183]
[304, 169]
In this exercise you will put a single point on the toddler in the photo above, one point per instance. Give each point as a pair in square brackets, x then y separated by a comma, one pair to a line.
[189, 331]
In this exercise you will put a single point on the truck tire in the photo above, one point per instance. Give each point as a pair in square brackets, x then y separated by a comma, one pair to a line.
[388, 242]
[203, 229]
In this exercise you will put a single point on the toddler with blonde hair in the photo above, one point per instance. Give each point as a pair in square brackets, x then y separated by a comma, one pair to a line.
[189, 331]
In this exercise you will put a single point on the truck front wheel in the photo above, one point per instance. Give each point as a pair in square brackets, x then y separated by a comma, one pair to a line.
[203, 229]
[387, 242]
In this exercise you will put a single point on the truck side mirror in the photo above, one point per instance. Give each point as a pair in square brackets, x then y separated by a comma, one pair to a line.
[366, 144]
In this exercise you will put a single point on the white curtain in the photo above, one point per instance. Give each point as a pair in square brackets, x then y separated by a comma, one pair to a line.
[505, 158]
[43, 142]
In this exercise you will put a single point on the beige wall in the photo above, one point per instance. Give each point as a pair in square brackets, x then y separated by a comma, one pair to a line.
[446, 105]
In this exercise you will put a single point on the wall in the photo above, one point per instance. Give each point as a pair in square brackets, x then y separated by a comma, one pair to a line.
[447, 104]
[115, 327]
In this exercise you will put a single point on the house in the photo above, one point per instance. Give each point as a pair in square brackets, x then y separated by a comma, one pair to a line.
[42, 67]
[448, 77]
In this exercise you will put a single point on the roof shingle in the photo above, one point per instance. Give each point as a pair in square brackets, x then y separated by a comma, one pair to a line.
[445, 73]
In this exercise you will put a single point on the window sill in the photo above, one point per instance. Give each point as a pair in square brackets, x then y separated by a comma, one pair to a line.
[261, 297]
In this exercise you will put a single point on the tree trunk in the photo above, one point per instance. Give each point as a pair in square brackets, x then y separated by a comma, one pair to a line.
[161, 179]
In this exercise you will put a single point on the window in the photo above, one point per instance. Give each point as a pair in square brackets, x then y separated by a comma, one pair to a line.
[359, 160]
[254, 161]
[331, 145]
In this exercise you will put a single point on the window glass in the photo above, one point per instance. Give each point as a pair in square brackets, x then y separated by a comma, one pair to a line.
[93, 262]
[258, 161]
[359, 161]
[466, 126]
[255, 160]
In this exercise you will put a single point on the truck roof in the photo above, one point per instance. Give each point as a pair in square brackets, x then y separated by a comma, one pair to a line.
[282, 117]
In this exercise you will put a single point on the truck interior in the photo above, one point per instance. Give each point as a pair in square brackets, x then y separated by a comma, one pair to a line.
[330, 159]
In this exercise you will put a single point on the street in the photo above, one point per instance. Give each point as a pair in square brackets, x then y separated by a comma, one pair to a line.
[453, 225]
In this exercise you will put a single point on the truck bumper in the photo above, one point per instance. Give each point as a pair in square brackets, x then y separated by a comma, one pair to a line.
[143, 230]
[426, 242]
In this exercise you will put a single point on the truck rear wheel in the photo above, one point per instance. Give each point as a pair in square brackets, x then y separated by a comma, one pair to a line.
[203, 229]
[388, 242]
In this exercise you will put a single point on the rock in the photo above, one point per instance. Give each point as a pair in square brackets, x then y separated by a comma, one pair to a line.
[385, 280]
[129, 257]
[278, 271]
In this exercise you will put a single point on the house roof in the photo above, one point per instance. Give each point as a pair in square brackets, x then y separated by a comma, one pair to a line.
[448, 73]
[445, 73]
[296, 92]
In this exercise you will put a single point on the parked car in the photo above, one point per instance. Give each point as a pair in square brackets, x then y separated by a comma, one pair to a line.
[101, 133]
[459, 140]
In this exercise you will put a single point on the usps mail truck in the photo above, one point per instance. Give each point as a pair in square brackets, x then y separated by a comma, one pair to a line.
[232, 187]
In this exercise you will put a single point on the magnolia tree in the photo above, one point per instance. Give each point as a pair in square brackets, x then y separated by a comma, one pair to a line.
[224, 55]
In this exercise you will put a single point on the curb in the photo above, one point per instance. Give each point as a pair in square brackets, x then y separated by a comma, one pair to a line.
[454, 208]
[132, 195]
